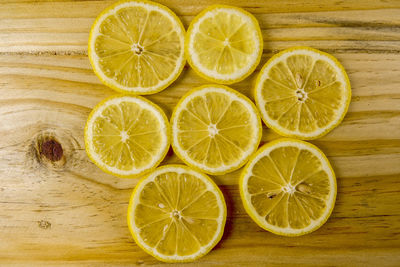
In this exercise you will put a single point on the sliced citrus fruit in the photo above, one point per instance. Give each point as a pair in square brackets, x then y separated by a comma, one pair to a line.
[176, 214]
[288, 187]
[303, 93]
[224, 44]
[215, 129]
[126, 136]
[137, 47]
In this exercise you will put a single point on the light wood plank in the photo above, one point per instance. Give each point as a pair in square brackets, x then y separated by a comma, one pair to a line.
[64, 26]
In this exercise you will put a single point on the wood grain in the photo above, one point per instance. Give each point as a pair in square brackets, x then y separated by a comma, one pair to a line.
[70, 213]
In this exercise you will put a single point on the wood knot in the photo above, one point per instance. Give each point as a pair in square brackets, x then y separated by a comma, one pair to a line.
[52, 150]
[48, 150]
[44, 224]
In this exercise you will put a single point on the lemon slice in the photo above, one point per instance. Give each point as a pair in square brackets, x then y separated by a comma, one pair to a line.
[288, 187]
[224, 44]
[126, 136]
[137, 47]
[303, 93]
[215, 129]
[176, 214]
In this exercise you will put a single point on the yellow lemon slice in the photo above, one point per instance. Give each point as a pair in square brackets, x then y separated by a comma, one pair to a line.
[288, 187]
[303, 93]
[137, 47]
[224, 44]
[126, 136]
[215, 129]
[176, 214]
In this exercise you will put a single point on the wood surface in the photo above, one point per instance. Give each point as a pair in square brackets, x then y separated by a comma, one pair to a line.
[68, 212]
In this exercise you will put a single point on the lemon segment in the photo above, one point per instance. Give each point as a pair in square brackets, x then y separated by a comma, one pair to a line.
[288, 187]
[127, 136]
[176, 214]
[137, 47]
[302, 92]
[224, 44]
[215, 129]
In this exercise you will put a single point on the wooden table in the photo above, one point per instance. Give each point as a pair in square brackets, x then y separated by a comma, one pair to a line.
[59, 209]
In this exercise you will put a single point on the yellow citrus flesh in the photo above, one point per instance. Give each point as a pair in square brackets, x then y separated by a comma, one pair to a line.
[127, 136]
[215, 129]
[137, 47]
[224, 44]
[177, 214]
[303, 93]
[288, 187]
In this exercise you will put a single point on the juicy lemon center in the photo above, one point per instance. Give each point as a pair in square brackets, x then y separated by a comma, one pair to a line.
[176, 214]
[137, 49]
[212, 130]
[291, 189]
[226, 42]
[124, 136]
[288, 188]
[301, 95]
